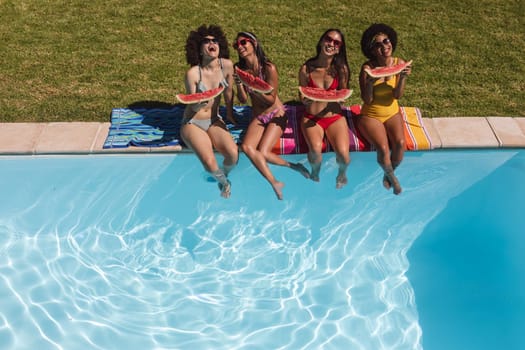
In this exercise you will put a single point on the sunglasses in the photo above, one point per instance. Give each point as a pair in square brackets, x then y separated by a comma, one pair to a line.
[241, 42]
[377, 44]
[329, 40]
[210, 41]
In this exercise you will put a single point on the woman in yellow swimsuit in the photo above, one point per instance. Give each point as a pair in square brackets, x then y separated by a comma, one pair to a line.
[381, 122]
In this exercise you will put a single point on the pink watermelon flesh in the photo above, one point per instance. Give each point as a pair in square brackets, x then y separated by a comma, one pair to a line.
[200, 96]
[382, 72]
[253, 82]
[317, 94]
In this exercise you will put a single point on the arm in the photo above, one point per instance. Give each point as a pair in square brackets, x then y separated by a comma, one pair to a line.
[401, 81]
[228, 91]
[366, 84]
[272, 78]
[190, 81]
[343, 78]
[242, 95]
[303, 81]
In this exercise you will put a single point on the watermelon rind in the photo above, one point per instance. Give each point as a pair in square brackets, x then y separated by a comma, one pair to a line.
[322, 95]
[253, 82]
[200, 97]
[382, 72]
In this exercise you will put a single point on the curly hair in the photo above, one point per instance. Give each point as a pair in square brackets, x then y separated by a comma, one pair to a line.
[340, 61]
[195, 39]
[367, 40]
[259, 52]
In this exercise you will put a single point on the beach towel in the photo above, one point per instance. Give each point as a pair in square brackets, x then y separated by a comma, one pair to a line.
[148, 127]
[158, 127]
[416, 136]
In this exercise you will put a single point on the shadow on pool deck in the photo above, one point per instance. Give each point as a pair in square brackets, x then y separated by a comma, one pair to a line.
[89, 137]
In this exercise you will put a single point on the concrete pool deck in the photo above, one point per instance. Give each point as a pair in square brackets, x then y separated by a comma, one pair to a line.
[89, 137]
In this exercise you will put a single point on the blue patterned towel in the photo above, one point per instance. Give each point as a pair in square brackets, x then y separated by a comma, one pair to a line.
[158, 127]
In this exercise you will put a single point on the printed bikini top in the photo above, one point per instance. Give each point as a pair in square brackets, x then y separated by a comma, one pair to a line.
[200, 85]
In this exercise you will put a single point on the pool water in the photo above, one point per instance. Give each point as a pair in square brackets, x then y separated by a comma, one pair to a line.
[141, 252]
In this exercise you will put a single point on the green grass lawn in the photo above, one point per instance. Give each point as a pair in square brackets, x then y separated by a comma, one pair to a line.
[76, 60]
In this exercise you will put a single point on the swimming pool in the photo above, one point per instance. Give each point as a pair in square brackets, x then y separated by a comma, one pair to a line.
[140, 252]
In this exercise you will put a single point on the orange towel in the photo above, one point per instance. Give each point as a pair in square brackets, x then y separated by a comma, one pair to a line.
[416, 135]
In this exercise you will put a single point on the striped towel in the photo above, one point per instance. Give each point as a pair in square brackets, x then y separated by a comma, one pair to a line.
[145, 127]
[292, 140]
[416, 136]
[158, 127]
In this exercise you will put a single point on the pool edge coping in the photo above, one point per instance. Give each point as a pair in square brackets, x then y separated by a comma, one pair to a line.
[89, 137]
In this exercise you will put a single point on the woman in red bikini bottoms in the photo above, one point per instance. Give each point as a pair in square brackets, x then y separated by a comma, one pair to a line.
[269, 113]
[328, 70]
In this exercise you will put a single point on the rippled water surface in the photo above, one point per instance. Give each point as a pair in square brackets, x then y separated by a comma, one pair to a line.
[141, 252]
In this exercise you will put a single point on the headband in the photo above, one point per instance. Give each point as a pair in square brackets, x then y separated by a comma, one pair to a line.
[248, 35]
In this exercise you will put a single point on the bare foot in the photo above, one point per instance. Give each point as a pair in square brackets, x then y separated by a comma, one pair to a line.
[301, 169]
[341, 180]
[278, 189]
[386, 182]
[394, 182]
[225, 189]
[316, 169]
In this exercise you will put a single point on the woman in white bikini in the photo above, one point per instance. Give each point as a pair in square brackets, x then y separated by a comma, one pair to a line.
[203, 129]
[269, 113]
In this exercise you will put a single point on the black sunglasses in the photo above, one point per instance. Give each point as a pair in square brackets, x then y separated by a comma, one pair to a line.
[376, 44]
[208, 41]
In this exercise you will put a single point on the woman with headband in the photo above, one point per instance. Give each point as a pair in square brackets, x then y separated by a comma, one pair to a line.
[269, 113]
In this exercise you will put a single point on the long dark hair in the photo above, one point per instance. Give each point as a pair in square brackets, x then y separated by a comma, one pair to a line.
[369, 34]
[259, 52]
[195, 39]
[340, 61]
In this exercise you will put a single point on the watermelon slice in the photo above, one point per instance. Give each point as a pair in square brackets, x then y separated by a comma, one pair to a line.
[253, 82]
[200, 96]
[318, 94]
[381, 72]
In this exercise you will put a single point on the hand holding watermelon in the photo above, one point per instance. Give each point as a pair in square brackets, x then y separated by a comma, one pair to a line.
[381, 72]
[200, 98]
[322, 95]
[253, 82]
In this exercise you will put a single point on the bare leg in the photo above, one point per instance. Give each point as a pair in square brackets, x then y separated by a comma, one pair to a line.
[313, 135]
[224, 183]
[337, 134]
[270, 136]
[315, 163]
[396, 136]
[341, 180]
[250, 148]
[301, 169]
[392, 179]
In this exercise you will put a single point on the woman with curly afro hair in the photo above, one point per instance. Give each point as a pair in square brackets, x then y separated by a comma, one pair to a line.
[202, 128]
[381, 122]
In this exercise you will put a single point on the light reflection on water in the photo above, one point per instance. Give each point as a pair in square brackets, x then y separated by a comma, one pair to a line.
[141, 253]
